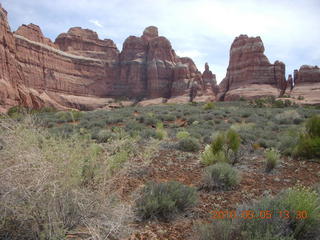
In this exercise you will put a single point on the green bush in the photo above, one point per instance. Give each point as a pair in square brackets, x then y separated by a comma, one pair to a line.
[148, 133]
[160, 132]
[287, 142]
[218, 143]
[272, 159]
[309, 143]
[220, 176]
[219, 230]
[301, 198]
[189, 145]
[224, 148]
[104, 135]
[288, 117]
[278, 226]
[164, 200]
[209, 106]
[233, 140]
[207, 157]
[313, 126]
[183, 134]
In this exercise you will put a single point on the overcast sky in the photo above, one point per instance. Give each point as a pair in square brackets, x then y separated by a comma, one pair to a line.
[200, 29]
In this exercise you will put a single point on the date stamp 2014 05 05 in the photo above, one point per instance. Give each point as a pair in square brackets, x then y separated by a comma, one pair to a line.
[261, 214]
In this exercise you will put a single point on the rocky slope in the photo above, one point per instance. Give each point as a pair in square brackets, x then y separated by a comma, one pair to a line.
[81, 71]
[250, 74]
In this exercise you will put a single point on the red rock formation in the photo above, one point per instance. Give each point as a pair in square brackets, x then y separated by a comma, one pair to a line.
[209, 81]
[150, 68]
[46, 68]
[85, 42]
[10, 75]
[307, 84]
[250, 74]
[78, 68]
[185, 73]
[34, 33]
[307, 74]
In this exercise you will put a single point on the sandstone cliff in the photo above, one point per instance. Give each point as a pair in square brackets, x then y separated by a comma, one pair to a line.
[79, 70]
[250, 74]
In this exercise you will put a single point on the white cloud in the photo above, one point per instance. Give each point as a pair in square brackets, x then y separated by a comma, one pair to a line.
[190, 53]
[200, 29]
[96, 22]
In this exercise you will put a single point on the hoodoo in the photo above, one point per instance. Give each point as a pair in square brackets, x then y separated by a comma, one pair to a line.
[250, 74]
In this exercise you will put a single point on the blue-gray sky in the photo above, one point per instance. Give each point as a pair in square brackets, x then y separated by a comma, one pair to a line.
[200, 29]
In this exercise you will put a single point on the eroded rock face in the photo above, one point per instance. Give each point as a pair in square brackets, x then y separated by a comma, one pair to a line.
[307, 84]
[249, 68]
[78, 68]
[150, 68]
[209, 81]
[85, 42]
[307, 74]
[34, 33]
[9, 72]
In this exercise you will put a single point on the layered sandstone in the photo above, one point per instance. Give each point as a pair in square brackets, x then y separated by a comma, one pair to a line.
[9, 75]
[250, 74]
[150, 68]
[307, 84]
[85, 42]
[79, 69]
[209, 81]
[12, 90]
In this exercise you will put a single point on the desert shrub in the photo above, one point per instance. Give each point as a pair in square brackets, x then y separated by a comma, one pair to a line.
[309, 142]
[313, 126]
[160, 132]
[76, 115]
[97, 123]
[189, 145]
[164, 200]
[148, 133]
[134, 126]
[224, 148]
[209, 106]
[221, 229]
[167, 117]
[271, 102]
[272, 157]
[63, 117]
[287, 142]
[273, 223]
[16, 111]
[117, 160]
[65, 131]
[183, 134]
[220, 176]
[301, 198]
[44, 189]
[233, 140]
[246, 131]
[208, 157]
[104, 135]
[288, 117]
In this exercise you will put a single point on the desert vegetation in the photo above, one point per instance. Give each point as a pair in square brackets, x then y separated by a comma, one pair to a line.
[159, 172]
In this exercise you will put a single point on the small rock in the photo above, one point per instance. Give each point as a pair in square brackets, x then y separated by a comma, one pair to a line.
[277, 179]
